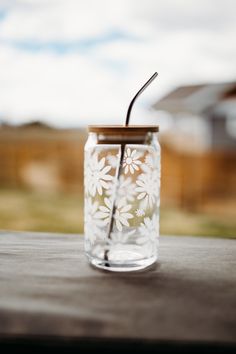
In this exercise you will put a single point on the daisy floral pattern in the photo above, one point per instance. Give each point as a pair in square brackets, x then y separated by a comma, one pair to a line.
[105, 211]
[136, 198]
[148, 229]
[121, 215]
[149, 234]
[112, 160]
[131, 161]
[126, 189]
[147, 189]
[93, 224]
[139, 212]
[97, 175]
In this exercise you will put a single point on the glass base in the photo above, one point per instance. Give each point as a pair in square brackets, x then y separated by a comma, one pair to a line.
[122, 266]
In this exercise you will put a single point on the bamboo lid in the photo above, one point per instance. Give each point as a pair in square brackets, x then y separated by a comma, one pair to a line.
[123, 130]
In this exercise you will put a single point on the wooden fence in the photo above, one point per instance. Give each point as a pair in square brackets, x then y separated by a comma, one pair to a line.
[192, 180]
[53, 160]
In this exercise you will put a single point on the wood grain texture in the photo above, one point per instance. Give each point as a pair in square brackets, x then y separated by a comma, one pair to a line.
[47, 288]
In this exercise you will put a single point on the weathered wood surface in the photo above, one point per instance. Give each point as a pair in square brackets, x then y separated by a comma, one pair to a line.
[47, 288]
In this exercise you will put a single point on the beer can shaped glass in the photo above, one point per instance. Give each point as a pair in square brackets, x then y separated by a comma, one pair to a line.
[122, 197]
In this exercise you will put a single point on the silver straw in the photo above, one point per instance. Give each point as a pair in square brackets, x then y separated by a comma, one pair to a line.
[122, 151]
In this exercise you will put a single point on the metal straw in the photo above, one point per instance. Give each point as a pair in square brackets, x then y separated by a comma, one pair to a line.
[122, 157]
[136, 96]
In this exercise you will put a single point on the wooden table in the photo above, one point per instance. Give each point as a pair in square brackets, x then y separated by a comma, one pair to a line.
[51, 297]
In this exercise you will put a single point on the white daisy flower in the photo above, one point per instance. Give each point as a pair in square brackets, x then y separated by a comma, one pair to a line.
[131, 161]
[92, 223]
[121, 215]
[148, 229]
[112, 160]
[97, 175]
[105, 211]
[149, 235]
[125, 190]
[139, 212]
[148, 188]
[151, 162]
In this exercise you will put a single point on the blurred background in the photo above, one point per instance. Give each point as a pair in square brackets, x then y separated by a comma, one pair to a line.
[68, 63]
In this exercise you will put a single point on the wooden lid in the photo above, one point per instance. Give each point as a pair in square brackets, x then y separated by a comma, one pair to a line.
[123, 130]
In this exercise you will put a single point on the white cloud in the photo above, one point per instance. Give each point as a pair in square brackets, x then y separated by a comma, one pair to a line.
[185, 42]
[57, 87]
[61, 20]
[46, 20]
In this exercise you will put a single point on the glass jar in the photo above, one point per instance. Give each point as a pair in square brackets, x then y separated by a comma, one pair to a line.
[122, 196]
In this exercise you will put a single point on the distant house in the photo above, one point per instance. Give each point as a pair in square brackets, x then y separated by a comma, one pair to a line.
[208, 110]
[199, 149]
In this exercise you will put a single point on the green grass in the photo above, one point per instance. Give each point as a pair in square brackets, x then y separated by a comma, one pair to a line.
[179, 222]
[34, 211]
[25, 210]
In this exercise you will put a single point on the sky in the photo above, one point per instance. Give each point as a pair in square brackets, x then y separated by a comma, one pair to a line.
[78, 62]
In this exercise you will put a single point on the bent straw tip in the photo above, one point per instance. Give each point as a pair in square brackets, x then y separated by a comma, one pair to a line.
[137, 94]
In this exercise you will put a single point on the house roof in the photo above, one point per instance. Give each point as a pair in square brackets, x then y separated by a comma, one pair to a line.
[196, 98]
